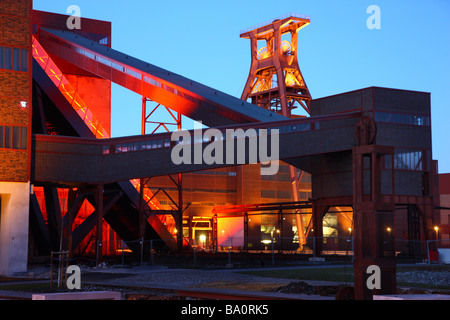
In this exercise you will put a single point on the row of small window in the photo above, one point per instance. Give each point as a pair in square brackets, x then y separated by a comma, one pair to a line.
[216, 173]
[276, 177]
[13, 59]
[164, 143]
[196, 190]
[280, 194]
[13, 137]
[137, 146]
[400, 118]
[247, 133]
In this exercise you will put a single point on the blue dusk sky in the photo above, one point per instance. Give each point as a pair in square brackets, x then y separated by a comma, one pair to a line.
[199, 39]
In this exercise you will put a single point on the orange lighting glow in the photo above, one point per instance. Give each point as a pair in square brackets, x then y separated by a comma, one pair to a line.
[60, 81]
[232, 231]
[78, 104]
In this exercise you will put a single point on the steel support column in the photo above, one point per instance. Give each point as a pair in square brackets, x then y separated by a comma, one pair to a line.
[99, 224]
[179, 218]
[177, 122]
[74, 203]
[374, 226]
[54, 219]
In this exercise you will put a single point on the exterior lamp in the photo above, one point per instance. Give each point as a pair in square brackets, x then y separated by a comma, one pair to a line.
[436, 228]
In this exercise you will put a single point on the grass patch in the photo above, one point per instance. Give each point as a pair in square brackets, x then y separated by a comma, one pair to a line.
[42, 287]
[26, 287]
[340, 274]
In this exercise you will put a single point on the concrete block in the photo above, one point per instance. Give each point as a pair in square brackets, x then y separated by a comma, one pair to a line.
[317, 259]
[444, 255]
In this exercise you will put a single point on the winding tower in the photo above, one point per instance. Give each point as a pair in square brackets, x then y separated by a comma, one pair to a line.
[275, 81]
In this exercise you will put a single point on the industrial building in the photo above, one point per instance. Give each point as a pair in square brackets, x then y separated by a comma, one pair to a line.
[360, 165]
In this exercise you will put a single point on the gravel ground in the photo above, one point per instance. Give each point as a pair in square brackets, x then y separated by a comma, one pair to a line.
[437, 278]
[161, 276]
[189, 278]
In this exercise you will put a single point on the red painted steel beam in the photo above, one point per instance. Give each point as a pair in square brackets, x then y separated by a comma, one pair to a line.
[183, 95]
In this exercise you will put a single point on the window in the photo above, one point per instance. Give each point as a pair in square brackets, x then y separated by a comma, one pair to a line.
[8, 60]
[104, 41]
[7, 143]
[268, 194]
[16, 138]
[388, 161]
[23, 138]
[24, 62]
[398, 118]
[14, 59]
[13, 137]
[406, 159]
[2, 57]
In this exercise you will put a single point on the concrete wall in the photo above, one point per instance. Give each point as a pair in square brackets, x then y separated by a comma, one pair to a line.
[15, 198]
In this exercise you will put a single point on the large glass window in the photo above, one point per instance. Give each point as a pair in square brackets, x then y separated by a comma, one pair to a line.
[407, 159]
